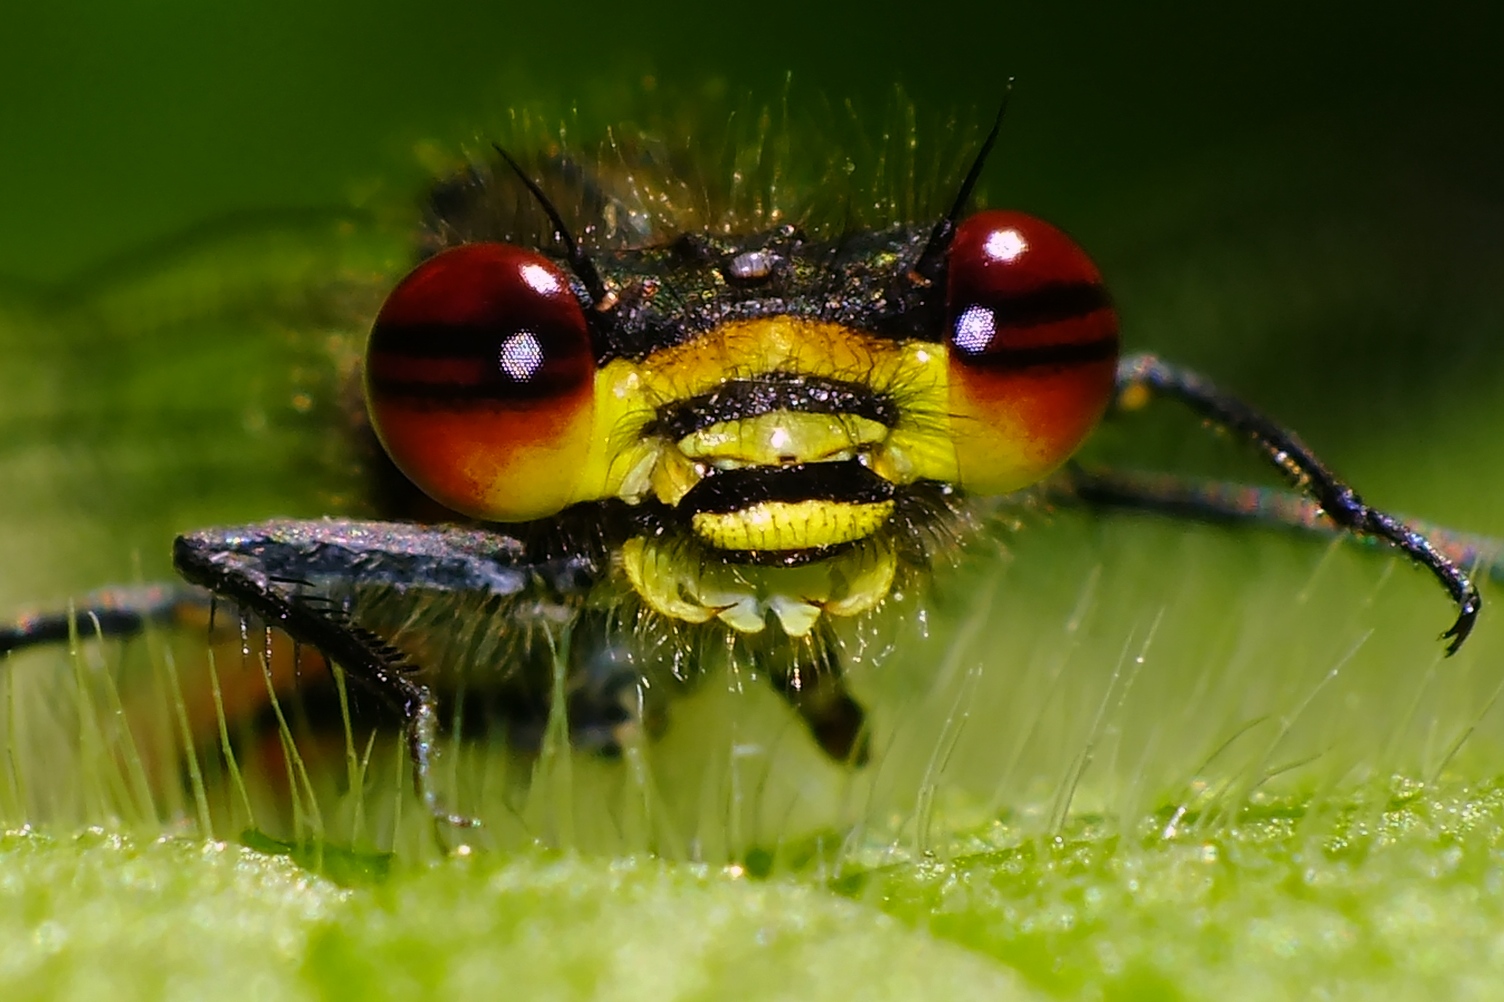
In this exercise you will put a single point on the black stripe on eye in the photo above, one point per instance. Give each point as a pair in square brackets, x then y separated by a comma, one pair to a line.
[739, 399]
[1048, 304]
[728, 491]
[441, 341]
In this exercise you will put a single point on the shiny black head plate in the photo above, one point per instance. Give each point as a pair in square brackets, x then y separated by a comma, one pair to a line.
[668, 295]
[645, 296]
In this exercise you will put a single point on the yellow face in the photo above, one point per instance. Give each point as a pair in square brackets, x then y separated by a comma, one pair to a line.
[798, 551]
[770, 444]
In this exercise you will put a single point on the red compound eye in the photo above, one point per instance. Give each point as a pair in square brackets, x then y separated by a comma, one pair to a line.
[479, 382]
[1033, 347]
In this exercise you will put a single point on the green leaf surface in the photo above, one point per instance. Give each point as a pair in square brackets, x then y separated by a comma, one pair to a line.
[174, 919]
[1399, 898]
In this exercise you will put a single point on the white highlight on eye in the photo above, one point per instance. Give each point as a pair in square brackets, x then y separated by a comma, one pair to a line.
[1005, 245]
[975, 328]
[540, 279]
[521, 356]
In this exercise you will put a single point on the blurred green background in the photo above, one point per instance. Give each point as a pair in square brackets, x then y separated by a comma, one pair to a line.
[1304, 201]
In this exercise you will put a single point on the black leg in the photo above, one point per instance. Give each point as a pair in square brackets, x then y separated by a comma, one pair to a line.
[616, 690]
[1227, 502]
[813, 687]
[111, 612]
[302, 576]
[1142, 377]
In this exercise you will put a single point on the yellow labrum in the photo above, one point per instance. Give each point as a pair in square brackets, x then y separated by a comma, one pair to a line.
[791, 525]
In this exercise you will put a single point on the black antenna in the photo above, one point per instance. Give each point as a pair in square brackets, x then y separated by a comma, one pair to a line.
[927, 265]
[579, 261]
